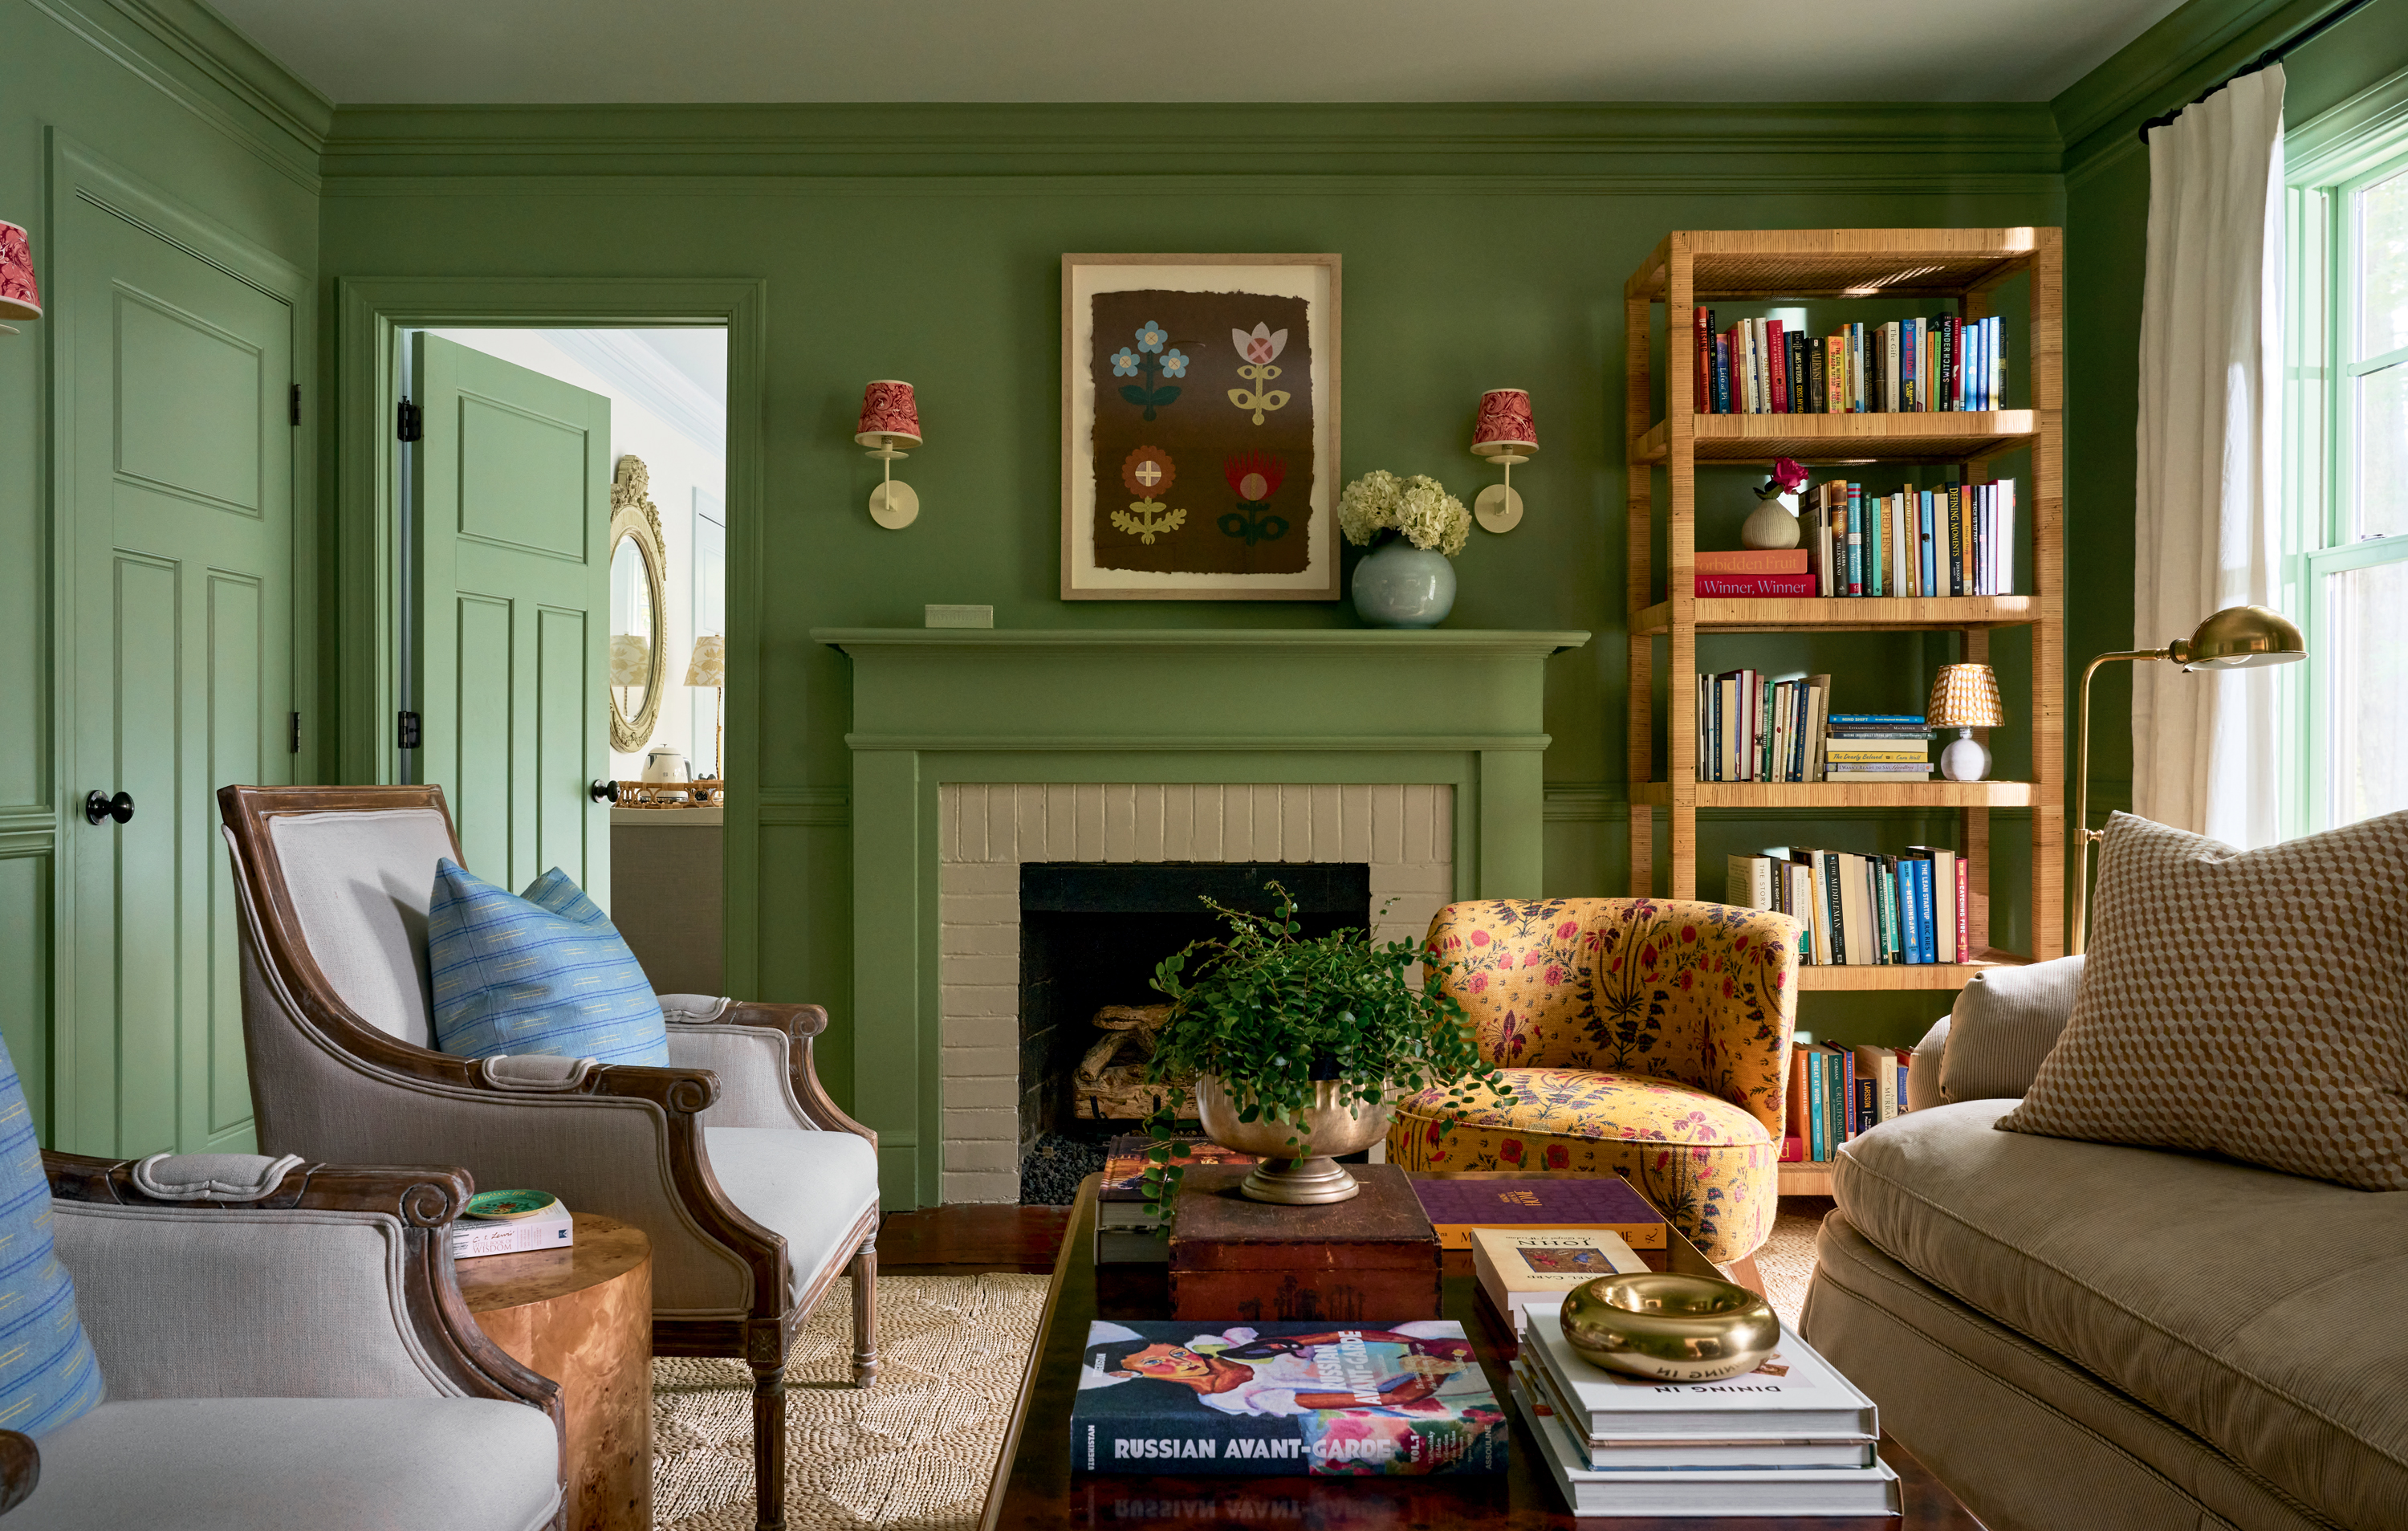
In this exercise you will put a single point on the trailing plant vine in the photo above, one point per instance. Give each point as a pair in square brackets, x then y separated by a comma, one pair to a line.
[1273, 1015]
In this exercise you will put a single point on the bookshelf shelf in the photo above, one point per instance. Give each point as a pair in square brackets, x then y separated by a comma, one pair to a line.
[1782, 613]
[1805, 1179]
[1954, 268]
[1960, 437]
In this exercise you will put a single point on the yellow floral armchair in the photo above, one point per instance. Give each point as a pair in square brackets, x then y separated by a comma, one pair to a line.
[1639, 1037]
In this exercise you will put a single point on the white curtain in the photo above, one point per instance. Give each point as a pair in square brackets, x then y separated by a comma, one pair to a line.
[2209, 513]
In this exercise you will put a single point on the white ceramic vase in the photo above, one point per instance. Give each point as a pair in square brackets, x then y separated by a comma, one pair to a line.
[1771, 525]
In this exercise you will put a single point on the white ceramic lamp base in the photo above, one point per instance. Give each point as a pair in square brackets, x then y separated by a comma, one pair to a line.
[1966, 758]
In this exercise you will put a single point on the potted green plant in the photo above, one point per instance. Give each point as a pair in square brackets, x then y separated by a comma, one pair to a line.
[1297, 1048]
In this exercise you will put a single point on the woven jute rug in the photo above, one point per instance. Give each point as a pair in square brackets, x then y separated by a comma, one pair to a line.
[914, 1451]
[1786, 1262]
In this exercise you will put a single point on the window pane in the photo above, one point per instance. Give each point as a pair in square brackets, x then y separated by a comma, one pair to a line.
[2365, 672]
[2383, 267]
[2382, 429]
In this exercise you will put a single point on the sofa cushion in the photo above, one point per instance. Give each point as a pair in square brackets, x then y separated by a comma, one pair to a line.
[2253, 1004]
[299, 1465]
[2002, 1027]
[2249, 1307]
[809, 1188]
[1708, 1164]
[513, 976]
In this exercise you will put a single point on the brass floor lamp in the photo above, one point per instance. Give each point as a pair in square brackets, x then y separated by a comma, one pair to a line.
[2235, 637]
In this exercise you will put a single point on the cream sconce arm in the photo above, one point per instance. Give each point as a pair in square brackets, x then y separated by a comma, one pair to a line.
[890, 420]
[20, 296]
[2235, 637]
[1506, 434]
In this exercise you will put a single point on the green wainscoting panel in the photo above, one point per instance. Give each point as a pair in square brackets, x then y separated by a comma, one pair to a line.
[1463, 708]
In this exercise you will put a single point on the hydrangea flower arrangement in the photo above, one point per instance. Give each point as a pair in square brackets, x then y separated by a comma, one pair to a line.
[1419, 509]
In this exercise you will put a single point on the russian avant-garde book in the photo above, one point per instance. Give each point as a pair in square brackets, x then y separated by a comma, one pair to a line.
[1298, 1398]
[1458, 1204]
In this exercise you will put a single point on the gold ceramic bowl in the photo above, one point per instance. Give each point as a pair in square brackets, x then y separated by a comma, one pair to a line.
[1673, 1328]
[1303, 1172]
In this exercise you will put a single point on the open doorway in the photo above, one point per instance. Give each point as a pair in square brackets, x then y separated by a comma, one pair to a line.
[564, 539]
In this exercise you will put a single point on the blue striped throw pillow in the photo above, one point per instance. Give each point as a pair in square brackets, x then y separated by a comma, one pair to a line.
[544, 974]
[48, 1372]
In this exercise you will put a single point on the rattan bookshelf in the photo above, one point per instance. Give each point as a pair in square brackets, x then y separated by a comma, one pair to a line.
[1960, 264]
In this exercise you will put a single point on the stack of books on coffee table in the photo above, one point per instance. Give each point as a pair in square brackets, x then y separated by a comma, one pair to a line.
[1792, 1438]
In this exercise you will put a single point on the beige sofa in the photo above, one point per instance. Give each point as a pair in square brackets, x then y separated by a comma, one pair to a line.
[2075, 1335]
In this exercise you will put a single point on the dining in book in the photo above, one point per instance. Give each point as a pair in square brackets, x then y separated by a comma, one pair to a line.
[1294, 1398]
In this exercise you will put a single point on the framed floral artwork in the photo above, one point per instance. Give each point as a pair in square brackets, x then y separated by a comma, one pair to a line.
[1199, 428]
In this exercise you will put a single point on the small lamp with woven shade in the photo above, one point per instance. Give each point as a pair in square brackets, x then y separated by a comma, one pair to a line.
[890, 418]
[1505, 433]
[709, 666]
[20, 296]
[1965, 698]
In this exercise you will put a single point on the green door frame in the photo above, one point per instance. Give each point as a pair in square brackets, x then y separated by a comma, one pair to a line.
[371, 314]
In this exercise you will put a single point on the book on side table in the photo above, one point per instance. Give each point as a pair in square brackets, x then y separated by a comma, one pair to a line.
[1517, 1268]
[1125, 1232]
[1531, 1202]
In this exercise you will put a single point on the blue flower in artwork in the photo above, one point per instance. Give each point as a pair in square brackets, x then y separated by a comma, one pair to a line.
[1152, 337]
[1174, 364]
[1124, 363]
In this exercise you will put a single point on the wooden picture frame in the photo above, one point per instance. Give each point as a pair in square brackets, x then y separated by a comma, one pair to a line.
[1200, 460]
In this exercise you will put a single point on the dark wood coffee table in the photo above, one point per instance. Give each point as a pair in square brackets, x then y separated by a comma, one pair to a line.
[1034, 1486]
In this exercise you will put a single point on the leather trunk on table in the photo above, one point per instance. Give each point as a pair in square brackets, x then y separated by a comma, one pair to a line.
[1374, 1257]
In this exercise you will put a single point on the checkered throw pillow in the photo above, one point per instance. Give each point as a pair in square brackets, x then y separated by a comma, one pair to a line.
[2251, 1003]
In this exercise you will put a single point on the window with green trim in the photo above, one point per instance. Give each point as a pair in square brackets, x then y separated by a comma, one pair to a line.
[2348, 580]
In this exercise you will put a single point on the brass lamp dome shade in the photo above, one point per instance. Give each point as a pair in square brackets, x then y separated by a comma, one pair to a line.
[2240, 638]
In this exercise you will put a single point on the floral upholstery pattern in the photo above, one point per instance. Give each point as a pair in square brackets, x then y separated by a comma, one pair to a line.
[1640, 1036]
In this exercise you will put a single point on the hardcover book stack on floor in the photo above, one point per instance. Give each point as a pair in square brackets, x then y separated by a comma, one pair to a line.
[1792, 1438]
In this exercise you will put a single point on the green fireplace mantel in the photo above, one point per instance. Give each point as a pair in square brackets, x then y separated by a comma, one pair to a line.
[1461, 708]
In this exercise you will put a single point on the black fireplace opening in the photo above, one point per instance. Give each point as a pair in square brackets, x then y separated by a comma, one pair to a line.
[1091, 934]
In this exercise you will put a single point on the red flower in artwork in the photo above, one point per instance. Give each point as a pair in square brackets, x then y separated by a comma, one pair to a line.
[1531, 959]
[1437, 1131]
[1480, 938]
[1509, 1150]
[1254, 475]
[1688, 933]
[1558, 1156]
[1554, 974]
[1478, 984]
[1568, 930]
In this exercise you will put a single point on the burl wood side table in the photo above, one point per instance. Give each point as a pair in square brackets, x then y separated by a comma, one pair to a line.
[583, 1317]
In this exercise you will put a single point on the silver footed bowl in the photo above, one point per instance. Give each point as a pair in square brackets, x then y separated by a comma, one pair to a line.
[1670, 1328]
[1305, 1172]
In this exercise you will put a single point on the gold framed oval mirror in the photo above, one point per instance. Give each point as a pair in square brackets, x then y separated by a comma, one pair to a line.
[638, 608]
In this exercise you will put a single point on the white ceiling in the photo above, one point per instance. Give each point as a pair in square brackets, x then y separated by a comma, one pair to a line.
[1138, 51]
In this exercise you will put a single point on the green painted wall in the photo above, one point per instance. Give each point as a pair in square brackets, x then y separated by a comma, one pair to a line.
[171, 95]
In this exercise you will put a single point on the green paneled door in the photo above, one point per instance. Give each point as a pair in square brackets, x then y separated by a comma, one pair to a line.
[176, 382]
[512, 510]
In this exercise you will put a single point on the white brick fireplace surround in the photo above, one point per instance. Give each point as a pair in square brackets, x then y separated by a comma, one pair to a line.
[985, 830]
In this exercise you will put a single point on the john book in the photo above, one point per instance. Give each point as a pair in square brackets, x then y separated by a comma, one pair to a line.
[1294, 1399]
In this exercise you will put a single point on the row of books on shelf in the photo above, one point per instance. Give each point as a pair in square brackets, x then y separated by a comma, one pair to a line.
[1751, 727]
[1905, 366]
[1954, 540]
[1862, 911]
[1838, 1092]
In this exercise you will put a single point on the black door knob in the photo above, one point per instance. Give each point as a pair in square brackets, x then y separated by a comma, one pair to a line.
[602, 791]
[98, 806]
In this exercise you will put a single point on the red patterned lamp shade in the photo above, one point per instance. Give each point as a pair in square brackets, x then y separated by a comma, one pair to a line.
[1506, 429]
[20, 298]
[890, 417]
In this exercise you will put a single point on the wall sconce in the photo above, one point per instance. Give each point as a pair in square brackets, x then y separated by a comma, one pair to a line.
[1506, 434]
[890, 415]
[20, 297]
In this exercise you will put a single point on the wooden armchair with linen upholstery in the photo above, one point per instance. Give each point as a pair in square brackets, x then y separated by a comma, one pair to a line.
[756, 1190]
[284, 1348]
[1639, 1037]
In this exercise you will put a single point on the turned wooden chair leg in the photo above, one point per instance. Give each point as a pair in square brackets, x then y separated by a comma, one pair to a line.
[769, 1445]
[865, 1313]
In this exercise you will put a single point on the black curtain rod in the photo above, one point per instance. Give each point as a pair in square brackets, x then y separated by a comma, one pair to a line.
[2275, 54]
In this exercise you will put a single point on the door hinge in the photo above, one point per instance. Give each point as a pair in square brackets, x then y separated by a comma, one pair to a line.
[296, 403]
[409, 731]
[412, 423]
[292, 740]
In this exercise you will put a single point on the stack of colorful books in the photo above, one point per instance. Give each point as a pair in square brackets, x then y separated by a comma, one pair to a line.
[1792, 1438]
[1125, 1232]
[1838, 1092]
[1957, 539]
[1751, 727]
[1861, 910]
[1876, 747]
[1905, 366]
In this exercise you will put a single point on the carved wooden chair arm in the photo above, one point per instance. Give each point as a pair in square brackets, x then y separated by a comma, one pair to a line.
[802, 1023]
[21, 1468]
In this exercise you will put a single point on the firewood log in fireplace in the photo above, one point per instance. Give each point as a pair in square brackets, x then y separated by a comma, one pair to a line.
[1109, 1084]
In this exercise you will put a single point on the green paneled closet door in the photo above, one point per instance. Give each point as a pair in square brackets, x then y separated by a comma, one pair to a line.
[177, 392]
[511, 509]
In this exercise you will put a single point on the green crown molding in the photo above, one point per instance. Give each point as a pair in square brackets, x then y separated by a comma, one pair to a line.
[1931, 144]
[2099, 115]
[189, 55]
[1502, 641]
